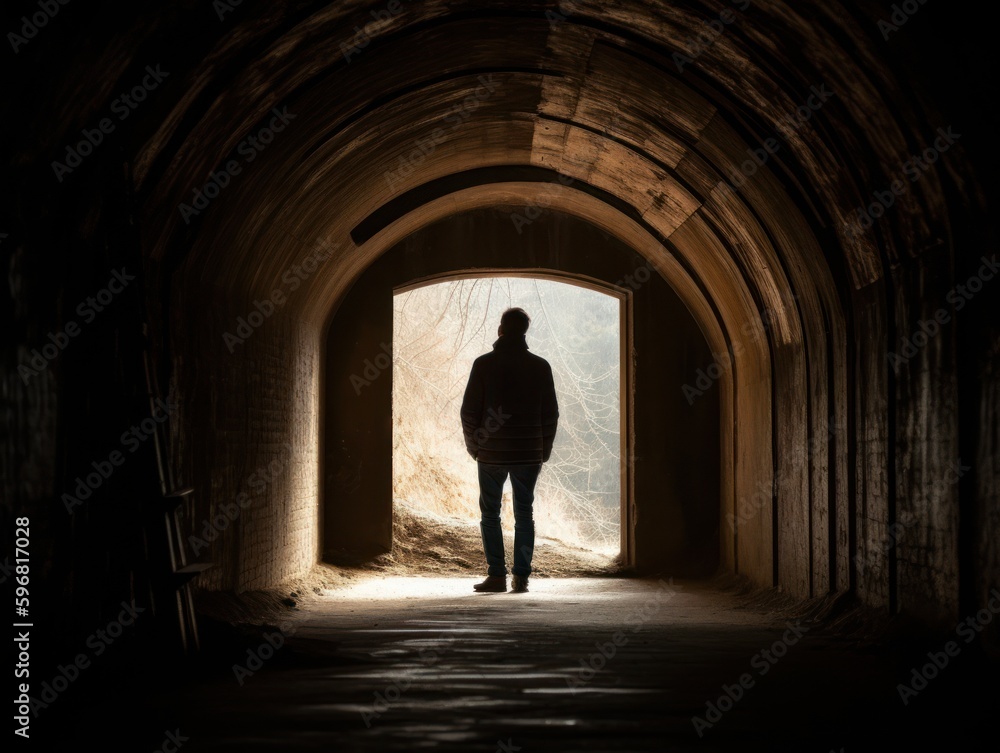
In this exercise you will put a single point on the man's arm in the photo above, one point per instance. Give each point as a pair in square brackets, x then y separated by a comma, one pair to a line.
[472, 410]
[550, 414]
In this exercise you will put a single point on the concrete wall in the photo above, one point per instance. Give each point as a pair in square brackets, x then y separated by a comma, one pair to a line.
[246, 437]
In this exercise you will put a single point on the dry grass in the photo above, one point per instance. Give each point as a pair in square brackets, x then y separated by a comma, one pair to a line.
[439, 331]
[440, 544]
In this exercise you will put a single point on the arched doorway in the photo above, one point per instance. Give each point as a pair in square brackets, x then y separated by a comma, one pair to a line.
[440, 327]
[670, 485]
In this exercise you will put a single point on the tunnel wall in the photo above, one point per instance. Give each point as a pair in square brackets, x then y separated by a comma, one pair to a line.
[673, 457]
[246, 438]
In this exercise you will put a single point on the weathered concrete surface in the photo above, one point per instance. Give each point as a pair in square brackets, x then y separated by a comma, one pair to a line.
[471, 672]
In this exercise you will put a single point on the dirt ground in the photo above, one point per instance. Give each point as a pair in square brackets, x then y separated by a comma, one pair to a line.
[424, 544]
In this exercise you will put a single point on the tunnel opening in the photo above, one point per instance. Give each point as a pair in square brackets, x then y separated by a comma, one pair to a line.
[439, 328]
[672, 481]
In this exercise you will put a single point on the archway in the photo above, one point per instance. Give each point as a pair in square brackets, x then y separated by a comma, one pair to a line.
[440, 327]
[671, 483]
[738, 184]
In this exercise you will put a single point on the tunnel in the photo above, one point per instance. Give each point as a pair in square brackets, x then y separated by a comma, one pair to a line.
[210, 208]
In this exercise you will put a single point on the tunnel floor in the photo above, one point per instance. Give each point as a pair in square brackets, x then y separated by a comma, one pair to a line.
[576, 664]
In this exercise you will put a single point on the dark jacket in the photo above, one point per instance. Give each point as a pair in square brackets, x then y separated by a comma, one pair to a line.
[509, 413]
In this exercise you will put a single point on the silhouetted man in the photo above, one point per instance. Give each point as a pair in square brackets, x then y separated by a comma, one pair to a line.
[509, 417]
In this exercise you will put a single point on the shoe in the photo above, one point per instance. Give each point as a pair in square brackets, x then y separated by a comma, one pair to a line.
[492, 584]
[519, 584]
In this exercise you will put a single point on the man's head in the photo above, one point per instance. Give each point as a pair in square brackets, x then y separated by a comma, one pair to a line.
[514, 322]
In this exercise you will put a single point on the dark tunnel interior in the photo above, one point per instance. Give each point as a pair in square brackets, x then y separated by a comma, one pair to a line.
[210, 205]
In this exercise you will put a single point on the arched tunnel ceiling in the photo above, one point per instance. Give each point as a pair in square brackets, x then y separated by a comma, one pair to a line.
[595, 91]
[597, 96]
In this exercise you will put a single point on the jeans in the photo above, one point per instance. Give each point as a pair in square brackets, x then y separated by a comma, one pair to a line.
[522, 480]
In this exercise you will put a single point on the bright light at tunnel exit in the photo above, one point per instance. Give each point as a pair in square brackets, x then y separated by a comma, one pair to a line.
[438, 331]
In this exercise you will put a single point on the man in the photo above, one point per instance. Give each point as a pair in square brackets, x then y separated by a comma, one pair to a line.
[509, 418]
